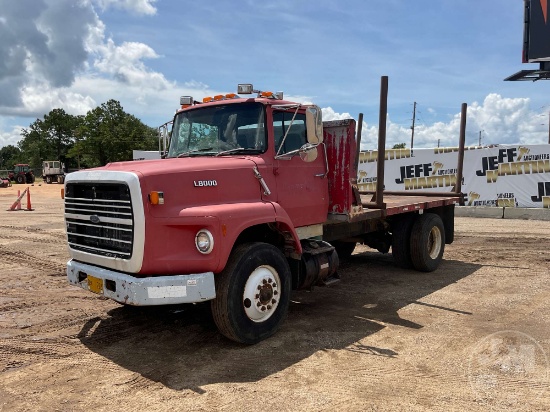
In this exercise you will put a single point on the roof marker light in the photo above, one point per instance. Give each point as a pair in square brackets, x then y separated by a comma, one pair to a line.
[207, 99]
[230, 96]
[246, 88]
[186, 100]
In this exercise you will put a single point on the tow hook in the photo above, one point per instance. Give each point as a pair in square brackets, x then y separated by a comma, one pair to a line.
[267, 192]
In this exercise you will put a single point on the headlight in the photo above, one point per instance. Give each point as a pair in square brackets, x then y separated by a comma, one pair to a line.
[204, 241]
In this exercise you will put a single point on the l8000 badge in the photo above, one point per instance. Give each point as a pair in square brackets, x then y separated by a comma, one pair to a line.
[205, 183]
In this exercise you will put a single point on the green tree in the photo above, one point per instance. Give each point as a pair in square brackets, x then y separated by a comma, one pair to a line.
[49, 138]
[108, 134]
[399, 146]
[9, 156]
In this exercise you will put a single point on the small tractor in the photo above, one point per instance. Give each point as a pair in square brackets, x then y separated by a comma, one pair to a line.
[21, 173]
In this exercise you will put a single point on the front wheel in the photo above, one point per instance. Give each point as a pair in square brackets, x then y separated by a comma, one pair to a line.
[427, 242]
[20, 179]
[252, 293]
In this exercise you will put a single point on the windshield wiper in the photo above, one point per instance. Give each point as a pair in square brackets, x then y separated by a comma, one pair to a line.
[239, 150]
[190, 152]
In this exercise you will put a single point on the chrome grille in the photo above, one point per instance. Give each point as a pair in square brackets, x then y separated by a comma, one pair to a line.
[99, 218]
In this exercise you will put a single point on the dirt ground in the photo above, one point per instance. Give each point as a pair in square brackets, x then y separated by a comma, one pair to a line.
[474, 335]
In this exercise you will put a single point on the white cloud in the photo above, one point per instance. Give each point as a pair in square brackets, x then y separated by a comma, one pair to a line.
[125, 64]
[502, 121]
[330, 114]
[37, 48]
[11, 136]
[134, 6]
[42, 99]
[45, 64]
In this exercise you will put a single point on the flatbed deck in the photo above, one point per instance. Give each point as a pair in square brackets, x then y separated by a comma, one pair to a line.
[366, 219]
[396, 204]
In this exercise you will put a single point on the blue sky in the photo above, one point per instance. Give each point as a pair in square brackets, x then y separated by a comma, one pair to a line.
[145, 53]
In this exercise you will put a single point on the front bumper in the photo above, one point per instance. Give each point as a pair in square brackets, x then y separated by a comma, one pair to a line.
[150, 291]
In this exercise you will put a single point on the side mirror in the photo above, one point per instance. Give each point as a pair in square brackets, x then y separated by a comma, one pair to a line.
[308, 153]
[164, 133]
[314, 125]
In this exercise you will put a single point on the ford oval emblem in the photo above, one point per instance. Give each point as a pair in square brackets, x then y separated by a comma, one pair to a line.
[94, 219]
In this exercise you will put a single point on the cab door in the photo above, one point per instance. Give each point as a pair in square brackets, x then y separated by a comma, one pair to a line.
[302, 186]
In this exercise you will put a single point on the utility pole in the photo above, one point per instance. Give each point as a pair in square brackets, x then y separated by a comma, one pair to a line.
[548, 127]
[479, 144]
[412, 127]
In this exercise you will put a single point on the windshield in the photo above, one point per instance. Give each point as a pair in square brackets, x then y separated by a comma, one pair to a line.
[219, 130]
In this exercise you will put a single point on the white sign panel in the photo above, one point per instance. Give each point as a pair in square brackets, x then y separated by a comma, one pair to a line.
[503, 175]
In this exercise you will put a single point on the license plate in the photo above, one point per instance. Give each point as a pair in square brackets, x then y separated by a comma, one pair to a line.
[95, 284]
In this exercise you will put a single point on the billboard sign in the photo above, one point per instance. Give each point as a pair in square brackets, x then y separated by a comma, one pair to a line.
[536, 42]
[501, 176]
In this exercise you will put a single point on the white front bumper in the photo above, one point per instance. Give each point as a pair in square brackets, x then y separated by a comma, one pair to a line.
[150, 291]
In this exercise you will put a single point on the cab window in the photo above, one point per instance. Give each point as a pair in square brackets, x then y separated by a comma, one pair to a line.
[296, 137]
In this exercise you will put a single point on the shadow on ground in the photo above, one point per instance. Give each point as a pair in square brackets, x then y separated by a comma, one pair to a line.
[180, 347]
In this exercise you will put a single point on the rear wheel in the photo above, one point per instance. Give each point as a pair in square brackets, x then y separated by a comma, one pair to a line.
[427, 242]
[252, 293]
[401, 240]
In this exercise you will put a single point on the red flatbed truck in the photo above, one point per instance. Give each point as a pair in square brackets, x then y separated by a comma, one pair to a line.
[254, 197]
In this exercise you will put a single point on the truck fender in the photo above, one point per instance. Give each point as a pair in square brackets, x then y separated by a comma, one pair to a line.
[285, 224]
[234, 219]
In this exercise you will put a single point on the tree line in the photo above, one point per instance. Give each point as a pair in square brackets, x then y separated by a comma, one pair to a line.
[105, 134]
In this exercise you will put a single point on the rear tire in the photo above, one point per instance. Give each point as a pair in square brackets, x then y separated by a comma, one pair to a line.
[401, 240]
[427, 242]
[252, 293]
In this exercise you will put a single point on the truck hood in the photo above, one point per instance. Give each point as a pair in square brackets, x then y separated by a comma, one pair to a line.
[188, 164]
[197, 181]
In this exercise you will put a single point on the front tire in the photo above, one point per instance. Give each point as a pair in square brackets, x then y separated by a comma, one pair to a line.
[252, 293]
[427, 242]
[20, 179]
[48, 180]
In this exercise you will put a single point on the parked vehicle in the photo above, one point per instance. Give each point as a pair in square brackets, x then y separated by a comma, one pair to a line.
[253, 197]
[53, 171]
[5, 182]
[21, 173]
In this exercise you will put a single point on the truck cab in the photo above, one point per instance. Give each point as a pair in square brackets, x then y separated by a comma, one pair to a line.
[241, 178]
